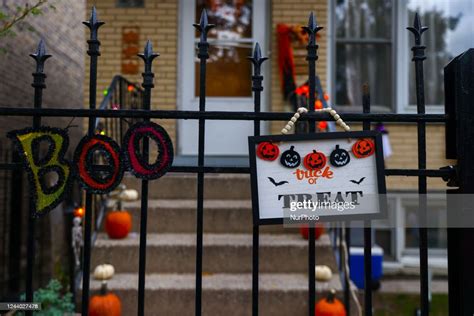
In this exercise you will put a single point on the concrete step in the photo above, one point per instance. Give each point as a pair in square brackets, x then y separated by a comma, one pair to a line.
[223, 253]
[223, 294]
[220, 216]
[184, 186]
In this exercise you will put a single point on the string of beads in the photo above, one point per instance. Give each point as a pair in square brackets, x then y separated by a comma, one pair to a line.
[288, 127]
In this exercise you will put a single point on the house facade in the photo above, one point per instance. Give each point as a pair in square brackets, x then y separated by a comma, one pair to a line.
[362, 41]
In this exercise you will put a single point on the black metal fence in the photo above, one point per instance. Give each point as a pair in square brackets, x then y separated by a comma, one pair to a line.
[110, 114]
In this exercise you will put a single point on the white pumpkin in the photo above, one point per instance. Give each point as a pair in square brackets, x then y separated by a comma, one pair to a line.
[104, 272]
[128, 195]
[323, 273]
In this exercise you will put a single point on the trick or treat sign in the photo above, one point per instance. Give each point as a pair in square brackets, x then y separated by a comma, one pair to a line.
[317, 177]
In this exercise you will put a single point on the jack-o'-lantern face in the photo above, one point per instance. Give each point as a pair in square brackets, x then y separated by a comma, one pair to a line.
[314, 161]
[267, 151]
[363, 148]
[290, 158]
[339, 157]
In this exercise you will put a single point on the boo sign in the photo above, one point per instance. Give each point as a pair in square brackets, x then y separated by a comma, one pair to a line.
[99, 162]
[317, 177]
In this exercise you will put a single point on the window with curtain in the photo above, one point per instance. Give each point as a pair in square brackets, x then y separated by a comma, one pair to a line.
[450, 33]
[228, 70]
[363, 52]
[370, 47]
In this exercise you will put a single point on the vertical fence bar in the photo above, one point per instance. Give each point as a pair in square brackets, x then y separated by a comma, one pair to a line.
[257, 88]
[347, 284]
[93, 24]
[147, 84]
[312, 48]
[418, 57]
[38, 84]
[203, 54]
[367, 224]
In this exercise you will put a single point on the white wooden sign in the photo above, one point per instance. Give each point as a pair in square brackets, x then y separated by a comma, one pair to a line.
[322, 177]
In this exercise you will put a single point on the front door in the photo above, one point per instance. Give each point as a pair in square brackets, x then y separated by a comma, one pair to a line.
[239, 25]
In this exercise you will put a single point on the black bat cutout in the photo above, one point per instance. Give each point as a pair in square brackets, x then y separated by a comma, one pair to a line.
[276, 183]
[358, 182]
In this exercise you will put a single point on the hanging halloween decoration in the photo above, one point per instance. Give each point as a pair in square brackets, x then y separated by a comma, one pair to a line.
[290, 158]
[268, 151]
[363, 148]
[92, 150]
[315, 160]
[134, 157]
[339, 157]
[387, 149]
[45, 193]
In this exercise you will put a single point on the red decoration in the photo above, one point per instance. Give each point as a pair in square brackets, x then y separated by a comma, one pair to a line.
[268, 151]
[363, 148]
[318, 231]
[315, 160]
[330, 306]
[79, 212]
[118, 224]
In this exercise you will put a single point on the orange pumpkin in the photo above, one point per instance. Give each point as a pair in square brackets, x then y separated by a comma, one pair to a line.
[314, 161]
[118, 224]
[330, 306]
[318, 231]
[105, 304]
[362, 148]
[267, 151]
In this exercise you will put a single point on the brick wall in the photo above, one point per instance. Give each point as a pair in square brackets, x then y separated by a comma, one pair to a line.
[64, 37]
[158, 22]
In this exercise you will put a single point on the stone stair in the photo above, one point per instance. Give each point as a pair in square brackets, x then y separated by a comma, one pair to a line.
[227, 253]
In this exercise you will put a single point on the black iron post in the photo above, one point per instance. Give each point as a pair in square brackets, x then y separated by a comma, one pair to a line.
[459, 88]
[312, 29]
[257, 88]
[38, 84]
[93, 24]
[148, 56]
[203, 54]
[418, 58]
[367, 224]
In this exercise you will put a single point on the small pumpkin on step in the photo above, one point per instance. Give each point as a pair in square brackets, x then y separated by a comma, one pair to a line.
[105, 303]
[330, 306]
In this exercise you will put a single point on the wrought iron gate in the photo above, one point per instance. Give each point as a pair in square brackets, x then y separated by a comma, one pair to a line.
[146, 113]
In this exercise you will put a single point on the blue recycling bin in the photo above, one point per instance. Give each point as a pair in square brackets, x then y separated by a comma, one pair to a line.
[356, 264]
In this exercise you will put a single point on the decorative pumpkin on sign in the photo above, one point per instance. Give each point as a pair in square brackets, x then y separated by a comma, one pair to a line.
[363, 148]
[290, 158]
[267, 151]
[104, 304]
[315, 160]
[330, 306]
[339, 157]
[118, 224]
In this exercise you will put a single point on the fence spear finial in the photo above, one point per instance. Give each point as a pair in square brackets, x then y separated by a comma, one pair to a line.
[257, 58]
[93, 24]
[203, 26]
[312, 28]
[417, 29]
[40, 56]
